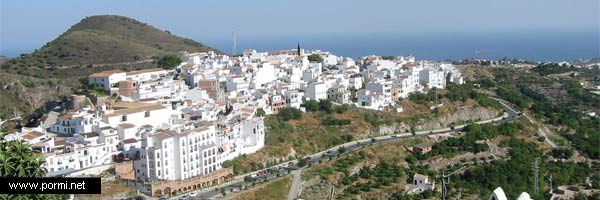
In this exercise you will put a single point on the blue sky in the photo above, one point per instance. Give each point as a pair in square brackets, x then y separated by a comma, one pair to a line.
[26, 25]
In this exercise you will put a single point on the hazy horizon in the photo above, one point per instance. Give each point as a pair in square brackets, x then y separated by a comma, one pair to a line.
[27, 25]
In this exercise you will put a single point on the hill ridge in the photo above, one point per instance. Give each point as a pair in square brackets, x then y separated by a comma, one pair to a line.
[95, 43]
[109, 39]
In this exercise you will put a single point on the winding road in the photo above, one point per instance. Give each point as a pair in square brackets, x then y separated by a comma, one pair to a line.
[280, 169]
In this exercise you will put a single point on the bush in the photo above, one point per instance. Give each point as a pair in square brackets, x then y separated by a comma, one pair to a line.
[342, 109]
[330, 121]
[260, 112]
[311, 105]
[562, 153]
[168, 62]
[287, 114]
[315, 58]
[325, 105]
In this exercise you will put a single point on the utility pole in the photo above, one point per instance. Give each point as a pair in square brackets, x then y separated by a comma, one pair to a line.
[444, 190]
[536, 169]
[550, 179]
[445, 176]
[436, 96]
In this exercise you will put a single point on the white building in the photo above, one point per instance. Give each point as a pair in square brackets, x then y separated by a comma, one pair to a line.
[380, 87]
[107, 80]
[316, 91]
[177, 154]
[74, 122]
[432, 79]
[339, 95]
[138, 114]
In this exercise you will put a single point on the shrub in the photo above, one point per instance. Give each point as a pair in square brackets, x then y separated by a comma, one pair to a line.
[287, 114]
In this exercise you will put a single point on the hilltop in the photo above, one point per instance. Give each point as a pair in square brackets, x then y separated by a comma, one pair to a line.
[107, 39]
[94, 44]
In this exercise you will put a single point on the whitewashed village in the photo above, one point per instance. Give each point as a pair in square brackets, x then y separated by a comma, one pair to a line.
[171, 130]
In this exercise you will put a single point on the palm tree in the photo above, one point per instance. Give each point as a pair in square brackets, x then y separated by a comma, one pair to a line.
[6, 164]
[17, 159]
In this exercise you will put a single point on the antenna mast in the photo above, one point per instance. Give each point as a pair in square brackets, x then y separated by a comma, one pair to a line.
[234, 49]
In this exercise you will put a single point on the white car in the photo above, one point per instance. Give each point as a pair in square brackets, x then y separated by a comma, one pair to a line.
[184, 197]
[193, 194]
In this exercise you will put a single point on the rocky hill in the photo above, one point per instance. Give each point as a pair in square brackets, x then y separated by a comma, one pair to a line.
[94, 44]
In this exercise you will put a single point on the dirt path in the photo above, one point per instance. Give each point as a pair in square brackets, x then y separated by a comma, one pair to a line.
[543, 130]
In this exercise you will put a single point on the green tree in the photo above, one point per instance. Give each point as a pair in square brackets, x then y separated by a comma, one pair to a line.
[17, 159]
[168, 62]
[287, 114]
[311, 105]
[325, 105]
[315, 58]
[260, 112]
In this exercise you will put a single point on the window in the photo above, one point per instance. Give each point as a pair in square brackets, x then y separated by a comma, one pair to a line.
[147, 114]
[124, 118]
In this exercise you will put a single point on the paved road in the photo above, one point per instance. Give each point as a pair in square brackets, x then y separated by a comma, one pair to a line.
[296, 183]
[509, 114]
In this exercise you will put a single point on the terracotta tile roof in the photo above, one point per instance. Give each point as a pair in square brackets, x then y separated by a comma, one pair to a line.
[162, 135]
[144, 71]
[33, 134]
[65, 116]
[147, 107]
[248, 110]
[60, 142]
[129, 141]
[88, 135]
[105, 74]
[126, 125]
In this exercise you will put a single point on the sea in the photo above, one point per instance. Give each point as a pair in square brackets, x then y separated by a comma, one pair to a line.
[534, 46]
[540, 46]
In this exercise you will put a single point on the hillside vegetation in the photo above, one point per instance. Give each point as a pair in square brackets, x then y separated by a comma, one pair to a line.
[94, 44]
[293, 134]
[107, 39]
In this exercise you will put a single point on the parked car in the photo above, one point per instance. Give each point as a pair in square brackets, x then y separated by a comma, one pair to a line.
[193, 194]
